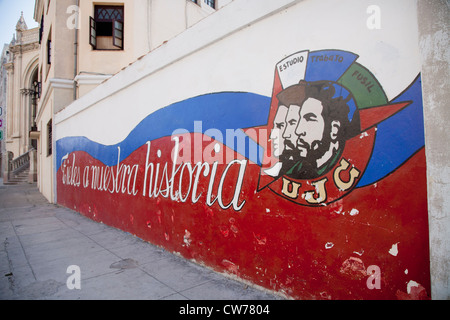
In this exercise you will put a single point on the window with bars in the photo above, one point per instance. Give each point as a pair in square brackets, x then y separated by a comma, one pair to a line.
[106, 28]
[211, 3]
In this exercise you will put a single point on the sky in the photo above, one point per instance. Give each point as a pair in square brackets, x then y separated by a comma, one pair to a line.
[10, 14]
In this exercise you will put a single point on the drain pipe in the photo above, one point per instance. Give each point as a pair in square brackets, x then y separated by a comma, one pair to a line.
[75, 65]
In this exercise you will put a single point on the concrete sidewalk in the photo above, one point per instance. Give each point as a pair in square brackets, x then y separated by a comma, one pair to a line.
[39, 241]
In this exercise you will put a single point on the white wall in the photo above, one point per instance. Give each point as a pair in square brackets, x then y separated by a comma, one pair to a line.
[390, 52]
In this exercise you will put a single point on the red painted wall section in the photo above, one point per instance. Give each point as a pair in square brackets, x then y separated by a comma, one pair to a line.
[304, 252]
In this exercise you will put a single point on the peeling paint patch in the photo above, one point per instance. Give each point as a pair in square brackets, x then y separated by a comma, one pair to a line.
[159, 216]
[261, 240]
[354, 212]
[394, 250]
[325, 296]
[230, 266]
[187, 238]
[414, 291]
[208, 211]
[234, 229]
[410, 285]
[224, 231]
[329, 245]
[354, 268]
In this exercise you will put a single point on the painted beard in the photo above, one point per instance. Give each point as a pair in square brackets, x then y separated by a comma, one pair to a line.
[291, 157]
[308, 168]
[288, 157]
[313, 152]
[316, 150]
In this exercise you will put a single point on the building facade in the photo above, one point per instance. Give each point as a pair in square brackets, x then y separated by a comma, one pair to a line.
[20, 93]
[3, 59]
[293, 145]
[84, 43]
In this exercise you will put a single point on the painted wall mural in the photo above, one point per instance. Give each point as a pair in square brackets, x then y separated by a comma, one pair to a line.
[317, 192]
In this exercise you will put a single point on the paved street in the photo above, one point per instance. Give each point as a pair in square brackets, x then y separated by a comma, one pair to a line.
[40, 241]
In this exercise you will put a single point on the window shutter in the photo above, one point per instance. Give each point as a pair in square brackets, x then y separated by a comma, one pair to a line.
[93, 33]
[49, 137]
[118, 34]
[41, 29]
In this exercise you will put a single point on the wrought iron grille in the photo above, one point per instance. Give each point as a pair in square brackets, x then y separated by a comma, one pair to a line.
[108, 13]
[211, 3]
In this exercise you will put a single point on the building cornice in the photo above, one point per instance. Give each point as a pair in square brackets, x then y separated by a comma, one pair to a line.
[23, 48]
[93, 79]
[59, 83]
[9, 66]
[54, 83]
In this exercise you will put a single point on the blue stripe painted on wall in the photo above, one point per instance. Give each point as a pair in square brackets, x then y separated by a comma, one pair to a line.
[398, 137]
[221, 111]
